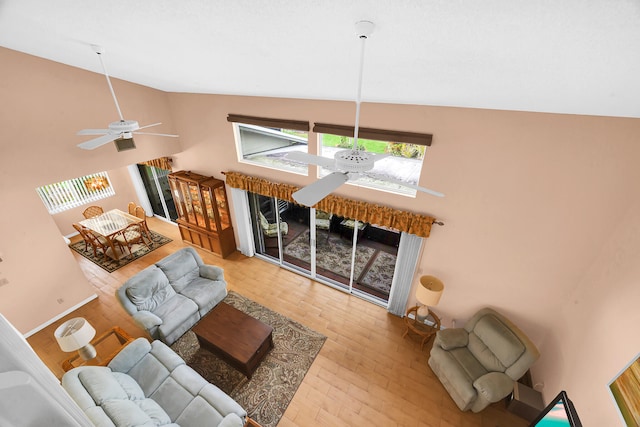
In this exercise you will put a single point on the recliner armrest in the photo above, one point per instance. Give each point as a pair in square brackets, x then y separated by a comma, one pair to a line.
[147, 319]
[211, 272]
[452, 338]
[494, 386]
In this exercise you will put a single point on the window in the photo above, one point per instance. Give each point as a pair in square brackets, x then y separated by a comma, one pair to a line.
[406, 153]
[265, 142]
[65, 195]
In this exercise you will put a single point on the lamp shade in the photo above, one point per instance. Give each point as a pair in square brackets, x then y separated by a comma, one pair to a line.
[429, 290]
[74, 334]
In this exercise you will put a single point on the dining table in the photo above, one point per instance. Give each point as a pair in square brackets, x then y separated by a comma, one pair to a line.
[109, 224]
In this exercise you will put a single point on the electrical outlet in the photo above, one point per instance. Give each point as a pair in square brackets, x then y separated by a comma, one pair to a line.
[60, 300]
[453, 323]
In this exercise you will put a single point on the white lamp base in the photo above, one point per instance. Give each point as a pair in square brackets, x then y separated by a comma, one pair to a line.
[87, 352]
[422, 312]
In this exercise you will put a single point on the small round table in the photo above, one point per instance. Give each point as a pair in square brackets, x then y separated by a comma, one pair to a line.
[422, 329]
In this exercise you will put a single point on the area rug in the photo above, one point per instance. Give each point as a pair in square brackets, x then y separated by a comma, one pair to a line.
[111, 265]
[380, 273]
[275, 381]
[333, 254]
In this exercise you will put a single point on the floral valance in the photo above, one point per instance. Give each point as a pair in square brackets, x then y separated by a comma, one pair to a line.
[409, 222]
[160, 163]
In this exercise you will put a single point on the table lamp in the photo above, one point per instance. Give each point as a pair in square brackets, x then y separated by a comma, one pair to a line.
[428, 294]
[76, 334]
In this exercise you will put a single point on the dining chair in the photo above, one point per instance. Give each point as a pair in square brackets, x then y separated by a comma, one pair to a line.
[92, 211]
[132, 208]
[140, 213]
[96, 242]
[132, 234]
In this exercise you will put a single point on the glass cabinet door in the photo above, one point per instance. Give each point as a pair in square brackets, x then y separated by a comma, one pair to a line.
[208, 205]
[198, 210]
[177, 197]
[223, 207]
[188, 203]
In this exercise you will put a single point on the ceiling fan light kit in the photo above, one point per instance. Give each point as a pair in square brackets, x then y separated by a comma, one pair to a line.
[349, 164]
[120, 131]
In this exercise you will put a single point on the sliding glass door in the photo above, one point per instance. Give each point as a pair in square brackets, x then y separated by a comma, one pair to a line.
[348, 254]
[157, 187]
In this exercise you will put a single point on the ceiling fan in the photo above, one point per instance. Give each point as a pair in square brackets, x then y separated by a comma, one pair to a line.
[350, 164]
[122, 129]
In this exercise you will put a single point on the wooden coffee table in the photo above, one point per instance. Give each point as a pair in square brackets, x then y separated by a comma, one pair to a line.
[238, 338]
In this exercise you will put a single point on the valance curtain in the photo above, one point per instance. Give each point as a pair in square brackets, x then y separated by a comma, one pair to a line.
[409, 222]
[377, 134]
[270, 123]
[160, 163]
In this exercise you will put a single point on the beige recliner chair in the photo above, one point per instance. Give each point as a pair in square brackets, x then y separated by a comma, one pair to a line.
[478, 364]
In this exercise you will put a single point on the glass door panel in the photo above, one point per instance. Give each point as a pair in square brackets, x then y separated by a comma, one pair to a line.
[297, 250]
[158, 190]
[378, 247]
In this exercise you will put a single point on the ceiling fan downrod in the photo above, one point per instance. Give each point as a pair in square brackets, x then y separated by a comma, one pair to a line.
[363, 29]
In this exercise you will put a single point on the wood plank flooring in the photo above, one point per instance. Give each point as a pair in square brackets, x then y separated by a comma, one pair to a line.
[365, 374]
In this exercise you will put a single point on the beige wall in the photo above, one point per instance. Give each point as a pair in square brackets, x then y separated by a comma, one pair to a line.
[540, 209]
[44, 105]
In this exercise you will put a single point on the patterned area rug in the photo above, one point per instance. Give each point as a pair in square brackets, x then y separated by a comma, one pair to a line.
[333, 255]
[272, 386]
[111, 264]
[380, 273]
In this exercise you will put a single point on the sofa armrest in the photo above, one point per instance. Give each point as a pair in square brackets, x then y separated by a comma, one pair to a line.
[147, 319]
[211, 272]
[494, 386]
[452, 338]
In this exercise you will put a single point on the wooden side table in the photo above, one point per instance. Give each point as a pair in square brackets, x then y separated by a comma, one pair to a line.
[419, 327]
[107, 346]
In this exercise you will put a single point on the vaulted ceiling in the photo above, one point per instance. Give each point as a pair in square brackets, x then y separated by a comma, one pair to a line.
[570, 56]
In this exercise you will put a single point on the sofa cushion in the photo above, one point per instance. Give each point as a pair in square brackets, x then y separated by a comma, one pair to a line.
[484, 355]
[199, 409]
[205, 293]
[149, 289]
[180, 268]
[101, 385]
[136, 413]
[504, 344]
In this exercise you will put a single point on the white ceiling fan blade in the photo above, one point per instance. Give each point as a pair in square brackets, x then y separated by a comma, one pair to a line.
[310, 159]
[97, 142]
[148, 126]
[93, 132]
[156, 134]
[406, 184]
[313, 193]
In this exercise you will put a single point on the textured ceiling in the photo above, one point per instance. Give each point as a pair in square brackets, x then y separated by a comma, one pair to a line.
[570, 56]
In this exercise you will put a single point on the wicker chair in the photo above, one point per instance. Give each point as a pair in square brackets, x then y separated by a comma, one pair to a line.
[323, 221]
[96, 242]
[92, 211]
[140, 213]
[134, 233]
[132, 208]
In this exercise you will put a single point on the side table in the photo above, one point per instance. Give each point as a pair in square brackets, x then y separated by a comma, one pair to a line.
[419, 327]
[107, 346]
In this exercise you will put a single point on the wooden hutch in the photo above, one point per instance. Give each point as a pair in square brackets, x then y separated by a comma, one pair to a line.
[203, 211]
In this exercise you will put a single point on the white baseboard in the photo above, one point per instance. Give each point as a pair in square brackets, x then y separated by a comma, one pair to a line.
[60, 316]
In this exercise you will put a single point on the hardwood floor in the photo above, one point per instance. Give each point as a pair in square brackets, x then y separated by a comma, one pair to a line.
[365, 374]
